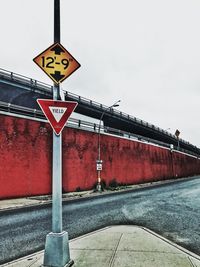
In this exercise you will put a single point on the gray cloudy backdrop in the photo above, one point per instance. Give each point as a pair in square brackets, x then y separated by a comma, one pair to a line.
[146, 53]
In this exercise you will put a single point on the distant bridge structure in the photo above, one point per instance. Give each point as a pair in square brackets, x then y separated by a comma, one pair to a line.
[18, 94]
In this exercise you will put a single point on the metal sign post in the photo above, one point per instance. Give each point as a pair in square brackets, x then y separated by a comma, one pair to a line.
[57, 244]
[58, 64]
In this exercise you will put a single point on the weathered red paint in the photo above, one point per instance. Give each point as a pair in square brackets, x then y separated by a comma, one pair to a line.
[26, 159]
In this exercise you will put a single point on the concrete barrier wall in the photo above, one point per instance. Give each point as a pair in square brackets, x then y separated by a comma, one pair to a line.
[26, 159]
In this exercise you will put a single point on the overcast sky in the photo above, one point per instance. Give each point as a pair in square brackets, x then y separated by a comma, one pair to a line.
[146, 53]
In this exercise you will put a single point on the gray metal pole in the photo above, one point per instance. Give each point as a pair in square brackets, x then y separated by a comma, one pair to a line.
[57, 184]
[57, 243]
[56, 21]
[57, 144]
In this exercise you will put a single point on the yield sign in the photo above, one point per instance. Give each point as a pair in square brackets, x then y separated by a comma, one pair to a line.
[57, 112]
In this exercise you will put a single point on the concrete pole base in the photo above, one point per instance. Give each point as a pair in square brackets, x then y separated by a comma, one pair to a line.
[57, 250]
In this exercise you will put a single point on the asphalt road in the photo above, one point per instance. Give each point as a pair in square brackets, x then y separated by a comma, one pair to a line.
[171, 210]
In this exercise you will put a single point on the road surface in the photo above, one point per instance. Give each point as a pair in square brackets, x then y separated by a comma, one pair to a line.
[171, 210]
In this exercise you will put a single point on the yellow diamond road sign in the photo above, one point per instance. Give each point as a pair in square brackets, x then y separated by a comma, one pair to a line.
[57, 62]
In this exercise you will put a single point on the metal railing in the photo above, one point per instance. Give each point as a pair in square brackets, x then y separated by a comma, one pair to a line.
[48, 89]
[14, 77]
[88, 126]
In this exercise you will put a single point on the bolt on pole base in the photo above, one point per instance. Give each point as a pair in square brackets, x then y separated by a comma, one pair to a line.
[57, 250]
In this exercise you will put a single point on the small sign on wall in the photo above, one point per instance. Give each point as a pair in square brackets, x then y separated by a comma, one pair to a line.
[99, 166]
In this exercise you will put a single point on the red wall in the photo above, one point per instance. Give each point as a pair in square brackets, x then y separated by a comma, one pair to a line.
[26, 152]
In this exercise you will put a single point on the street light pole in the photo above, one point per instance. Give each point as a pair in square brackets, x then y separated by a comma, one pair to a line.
[99, 161]
[177, 133]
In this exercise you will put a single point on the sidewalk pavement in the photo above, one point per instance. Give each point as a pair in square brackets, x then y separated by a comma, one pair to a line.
[120, 246]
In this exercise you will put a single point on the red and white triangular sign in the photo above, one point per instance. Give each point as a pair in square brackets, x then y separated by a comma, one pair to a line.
[57, 112]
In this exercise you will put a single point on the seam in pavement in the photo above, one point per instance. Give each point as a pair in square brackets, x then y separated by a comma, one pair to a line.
[90, 233]
[35, 254]
[192, 264]
[33, 262]
[138, 251]
[114, 253]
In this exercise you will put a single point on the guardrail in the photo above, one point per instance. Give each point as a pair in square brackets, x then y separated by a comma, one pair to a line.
[48, 89]
[14, 77]
[89, 126]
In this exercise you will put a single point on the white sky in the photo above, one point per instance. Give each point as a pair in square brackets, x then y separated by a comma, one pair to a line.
[146, 53]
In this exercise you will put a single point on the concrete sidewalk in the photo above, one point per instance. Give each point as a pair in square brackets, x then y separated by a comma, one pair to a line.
[120, 246]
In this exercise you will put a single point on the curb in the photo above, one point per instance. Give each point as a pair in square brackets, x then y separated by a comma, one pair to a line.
[135, 188]
[190, 253]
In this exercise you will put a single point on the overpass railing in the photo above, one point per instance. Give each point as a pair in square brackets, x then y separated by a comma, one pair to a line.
[31, 83]
[34, 84]
[89, 126]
